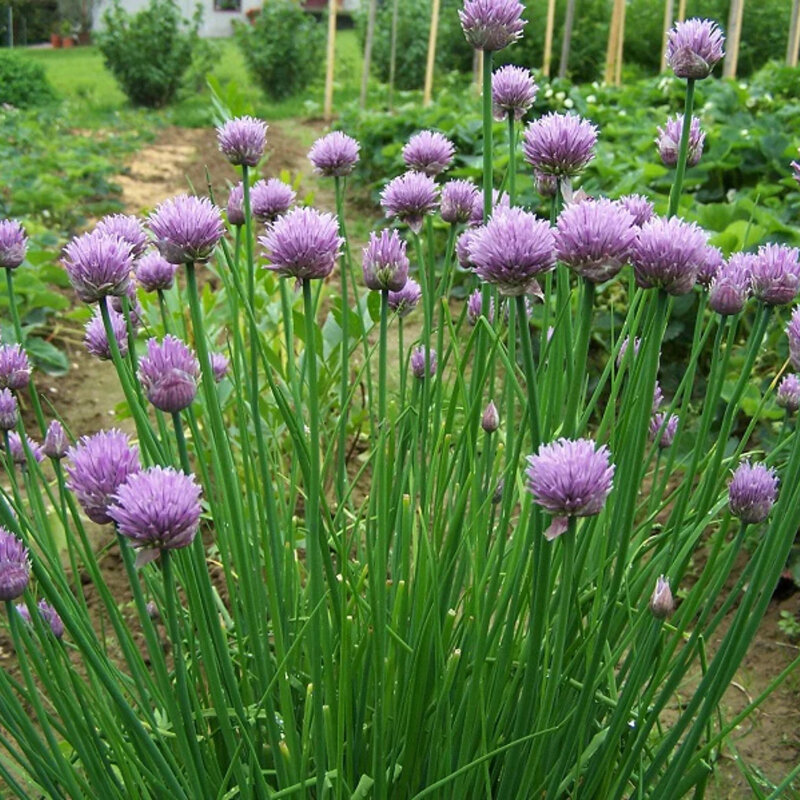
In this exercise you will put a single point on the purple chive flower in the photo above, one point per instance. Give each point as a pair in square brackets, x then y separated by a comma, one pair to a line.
[154, 273]
[730, 288]
[385, 264]
[667, 427]
[13, 243]
[559, 144]
[157, 509]
[98, 265]
[492, 24]
[511, 250]
[788, 395]
[235, 208]
[9, 413]
[623, 348]
[458, 201]
[169, 373]
[594, 239]
[490, 421]
[793, 334]
[98, 466]
[546, 185]
[152, 611]
[775, 274]
[474, 307]
[269, 199]
[128, 228]
[242, 140]
[219, 366]
[409, 197]
[186, 228]
[662, 603]
[47, 613]
[334, 155]
[694, 47]
[15, 568]
[570, 478]
[710, 265]
[669, 141]
[658, 398]
[135, 310]
[639, 207]
[96, 341]
[15, 369]
[18, 450]
[428, 152]
[303, 244]
[752, 492]
[513, 92]
[463, 244]
[404, 301]
[667, 254]
[499, 200]
[418, 361]
[56, 443]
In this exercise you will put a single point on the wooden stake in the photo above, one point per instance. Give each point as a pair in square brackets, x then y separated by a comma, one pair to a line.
[620, 45]
[428, 89]
[566, 42]
[548, 37]
[681, 10]
[669, 9]
[793, 44]
[393, 53]
[328, 109]
[733, 38]
[613, 46]
[362, 101]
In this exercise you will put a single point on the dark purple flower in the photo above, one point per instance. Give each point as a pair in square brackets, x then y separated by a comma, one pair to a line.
[499, 200]
[418, 362]
[334, 155]
[458, 201]
[303, 244]
[15, 369]
[667, 254]
[513, 92]
[186, 228]
[95, 338]
[775, 274]
[788, 395]
[752, 492]
[404, 301]
[18, 449]
[128, 228]
[667, 427]
[98, 265]
[169, 373]
[157, 509]
[492, 24]
[235, 209]
[409, 197]
[694, 47]
[571, 478]
[559, 144]
[242, 140]
[269, 199]
[13, 243]
[662, 603]
[793, 334]
[154, 273]
[385, 264]
[546, 185]
[709, 267]
[511, 250]
[595, 239]
[47, 613]
[56, 443]
[99, 465]
[219, 366]
[639, 207]
[669, 141]
[9, 413]
[490, 421]
[15, 568]
[428, 152]
[730, 287]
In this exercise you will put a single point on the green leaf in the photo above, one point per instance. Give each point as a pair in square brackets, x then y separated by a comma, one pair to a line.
[46, 356]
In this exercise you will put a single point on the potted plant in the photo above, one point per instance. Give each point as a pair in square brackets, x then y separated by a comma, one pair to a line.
[67, 38]
[55, 36]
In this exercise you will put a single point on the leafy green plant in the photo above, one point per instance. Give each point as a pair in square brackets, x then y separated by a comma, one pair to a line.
[23, 83]
[789, 625]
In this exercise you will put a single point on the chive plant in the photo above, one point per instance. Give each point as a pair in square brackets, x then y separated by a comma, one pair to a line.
[483, 602]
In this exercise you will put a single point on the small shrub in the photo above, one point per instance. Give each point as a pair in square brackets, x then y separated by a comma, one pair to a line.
[283, 49]
[23, 83]
[149, 53]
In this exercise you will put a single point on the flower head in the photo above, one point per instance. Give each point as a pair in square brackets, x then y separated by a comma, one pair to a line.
[409, 197]
[47, 613]
[667, 254]
[385, 264]
[623, 348]
[571, 478]
[710, 265]
[419, 359]
[186, 228]
[269, 199]
[559, 144]
[405, 300]
[658, 397]
[303, 244]
[13, 243]
[128, 228]
[694, 47]
[752, 492]
[730, 288]
[463, 244]
[775, 274]
[219, 366]
[499, 200]
[98, 265]
[666, 427]
[795, 165]
[56, 443]
[154, 273]
[788, 395]
[458, 201]
[169, 373]
[595, 239]
[242, 140]
[9, 413]
[15, 568]
[334, 155]
[662, 603]
[639, 207]
[428, 152]
[475, 308]
[19, 450]
[490, 421]
[235, 207]
[513, 92]
[492, 24]
[793, 335]
[96, 341]
[15, 369]
[546, 185]
[157, 509]
[669, 141]
[511, 250]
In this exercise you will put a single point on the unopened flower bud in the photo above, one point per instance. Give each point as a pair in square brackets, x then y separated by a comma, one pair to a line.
[491, 418]
[662, 603]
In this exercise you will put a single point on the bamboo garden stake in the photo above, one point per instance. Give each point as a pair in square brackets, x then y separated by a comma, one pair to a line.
[734, 35]
[428, 90]
[331, 59]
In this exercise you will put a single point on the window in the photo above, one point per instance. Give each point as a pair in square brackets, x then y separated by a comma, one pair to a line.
[227, 5]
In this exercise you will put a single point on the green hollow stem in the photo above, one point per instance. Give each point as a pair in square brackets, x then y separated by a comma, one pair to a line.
[680, 167]
[512, 161]
[581, 354]
[165, 316]
[344, 386]
[488, 123]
